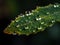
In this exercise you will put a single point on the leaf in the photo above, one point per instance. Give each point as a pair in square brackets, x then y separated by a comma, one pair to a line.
[35, 21]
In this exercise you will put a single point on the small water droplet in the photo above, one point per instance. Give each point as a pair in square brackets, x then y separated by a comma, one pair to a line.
[33, 30]
[26, 27]
[42, 22]
[53, 21]
[26, 20]
[27, 14]
[9, 26]
[17, 20]
[20, 30]
[22, 16]
[50, 25]
[13, 21]
[30, 13]
[39, 28]
[56, 6]
[47, 13]
[14, 33]
[39, 18]
[32, 10]
[17, 25]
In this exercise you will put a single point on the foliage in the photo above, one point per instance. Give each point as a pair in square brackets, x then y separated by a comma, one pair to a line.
[35, 21]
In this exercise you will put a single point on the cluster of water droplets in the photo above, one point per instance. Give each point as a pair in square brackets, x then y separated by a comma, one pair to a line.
[56, 6]
[42, 22]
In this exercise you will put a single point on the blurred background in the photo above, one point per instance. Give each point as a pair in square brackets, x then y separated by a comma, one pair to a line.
[9, 9]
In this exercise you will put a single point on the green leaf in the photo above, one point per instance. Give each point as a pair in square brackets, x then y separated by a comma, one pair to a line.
[35, 21]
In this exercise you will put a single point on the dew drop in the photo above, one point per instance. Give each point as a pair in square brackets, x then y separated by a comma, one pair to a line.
[33, 30]
[22, 16]
[27, 14]
[39, 28]
[53, 21]
[50, 25]
[17, 26]
[39, 18]
[47, 13]
[26, 27]
[32, 10]
[9, 26]
[42, 22]
[13, 21]
[30, 13]
[56, 6]
[20, 30]
[17, 20]
[14, 33]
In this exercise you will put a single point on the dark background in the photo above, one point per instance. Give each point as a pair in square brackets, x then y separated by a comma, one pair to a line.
[9, 9]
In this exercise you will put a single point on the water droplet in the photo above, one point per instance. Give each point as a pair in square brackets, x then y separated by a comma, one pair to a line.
[18, 16]
[47, 13]
[39, 28]
[26, 20]
[27, 14]
[29, 17]
[39, 18]
[42, 22]
[17, 20]
[53, 21]
[26, 27]
[13, 21]
[32, 10]
[17, 25]
[9, 26]
[50, 25]
[22, 16]
[20, 30]
[33, 30]
[56, 6]
[14, 33]
[30, 13]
